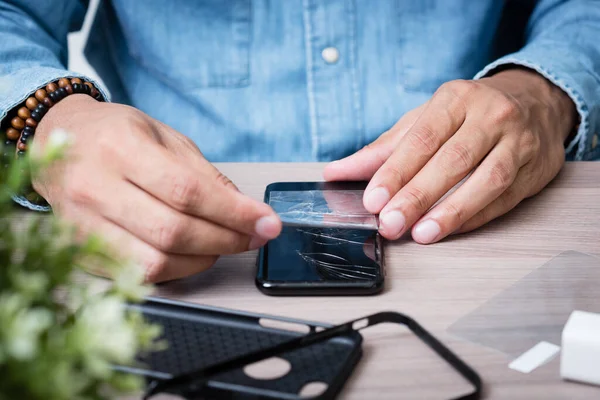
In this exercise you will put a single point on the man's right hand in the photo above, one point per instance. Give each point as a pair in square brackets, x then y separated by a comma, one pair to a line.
[147, 189]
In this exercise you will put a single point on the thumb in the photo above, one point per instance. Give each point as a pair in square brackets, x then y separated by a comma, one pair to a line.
[363, 164]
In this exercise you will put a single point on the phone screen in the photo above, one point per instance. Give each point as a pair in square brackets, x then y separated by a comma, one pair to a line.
[322, 245]
[323, 254]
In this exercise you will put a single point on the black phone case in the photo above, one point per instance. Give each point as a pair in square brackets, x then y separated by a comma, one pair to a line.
[198, 336]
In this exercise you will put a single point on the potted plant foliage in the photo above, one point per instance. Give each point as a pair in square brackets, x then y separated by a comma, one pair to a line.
[59, 336]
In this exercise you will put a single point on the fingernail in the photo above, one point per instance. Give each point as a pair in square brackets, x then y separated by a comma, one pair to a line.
[427, 231]
[377, 199]
[256, 242]
[392, 223]
[267, 227]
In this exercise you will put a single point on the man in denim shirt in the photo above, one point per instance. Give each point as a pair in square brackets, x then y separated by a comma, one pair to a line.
[434, 89]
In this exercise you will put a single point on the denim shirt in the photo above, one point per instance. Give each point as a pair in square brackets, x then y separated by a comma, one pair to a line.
[301, 80]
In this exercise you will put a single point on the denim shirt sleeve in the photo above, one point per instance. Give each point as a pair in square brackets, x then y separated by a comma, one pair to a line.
[563, 45]
[34, 51]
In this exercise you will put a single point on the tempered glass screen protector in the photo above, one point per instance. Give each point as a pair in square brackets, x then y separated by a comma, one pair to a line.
[537, 307]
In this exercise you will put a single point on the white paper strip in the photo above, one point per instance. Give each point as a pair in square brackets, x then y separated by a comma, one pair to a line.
[535, 357]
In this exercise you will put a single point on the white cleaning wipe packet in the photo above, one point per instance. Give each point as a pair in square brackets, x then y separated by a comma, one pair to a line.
[535, 357]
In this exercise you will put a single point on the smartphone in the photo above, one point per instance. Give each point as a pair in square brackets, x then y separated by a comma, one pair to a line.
[329, 244]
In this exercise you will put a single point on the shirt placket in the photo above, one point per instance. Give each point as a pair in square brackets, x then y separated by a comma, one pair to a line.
[333, 90]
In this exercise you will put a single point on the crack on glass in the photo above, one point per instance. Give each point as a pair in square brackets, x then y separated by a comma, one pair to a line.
[335, 237]
[332, 266]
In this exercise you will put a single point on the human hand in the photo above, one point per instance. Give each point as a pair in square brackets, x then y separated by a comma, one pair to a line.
[508, 130]
[147, 190]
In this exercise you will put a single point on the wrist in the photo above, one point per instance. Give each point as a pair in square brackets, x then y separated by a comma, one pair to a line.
[60, 114]
[28, 119]
[523, 82]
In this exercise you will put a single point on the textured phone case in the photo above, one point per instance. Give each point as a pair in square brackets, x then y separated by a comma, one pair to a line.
[199, 336]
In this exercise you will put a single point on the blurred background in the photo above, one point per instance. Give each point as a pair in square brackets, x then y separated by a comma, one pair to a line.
[77, 61]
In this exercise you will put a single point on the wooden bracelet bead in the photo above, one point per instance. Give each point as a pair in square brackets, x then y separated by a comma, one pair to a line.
[51, 87]
[28, 131]
[40, 94]
[36, 116]
[31, 103]
[17, 123]
[75, 80]
[30, 122]
[24, 113]
[47, 102]
[22, 146]
[41, 109]
[63, 82]
[77, 88]
[54, 96]
[69, 89]
[12, 134]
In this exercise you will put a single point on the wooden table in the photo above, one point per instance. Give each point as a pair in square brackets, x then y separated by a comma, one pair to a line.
[435, 284]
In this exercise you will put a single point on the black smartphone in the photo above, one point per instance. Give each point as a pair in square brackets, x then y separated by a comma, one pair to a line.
[329, 244]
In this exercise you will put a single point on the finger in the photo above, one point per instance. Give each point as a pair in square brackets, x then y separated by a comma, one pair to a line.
[159, 266]
[502, 205]
[455, 159]
[442, 117]
[346, 208]
[517, 192]
[364, 163]
[202, 192]
[490, 181]
[162, 227]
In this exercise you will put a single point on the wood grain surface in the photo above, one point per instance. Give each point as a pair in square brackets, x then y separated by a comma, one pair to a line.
[435, 284]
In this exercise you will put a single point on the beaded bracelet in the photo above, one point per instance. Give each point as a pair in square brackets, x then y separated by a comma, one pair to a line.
[31, 111]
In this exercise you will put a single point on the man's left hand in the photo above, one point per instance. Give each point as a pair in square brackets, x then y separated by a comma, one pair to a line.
[508, 130]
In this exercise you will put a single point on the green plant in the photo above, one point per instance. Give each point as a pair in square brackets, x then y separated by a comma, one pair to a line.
[59, 337]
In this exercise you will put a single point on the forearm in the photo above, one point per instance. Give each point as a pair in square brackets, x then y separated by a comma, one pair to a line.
[33, 53]
[33, 46]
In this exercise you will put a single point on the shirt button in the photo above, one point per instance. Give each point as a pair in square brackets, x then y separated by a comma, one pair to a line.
[594, 141]
[330, 54]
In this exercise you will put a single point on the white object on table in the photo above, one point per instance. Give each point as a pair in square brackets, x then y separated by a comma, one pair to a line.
[580, 359]
[535, 357]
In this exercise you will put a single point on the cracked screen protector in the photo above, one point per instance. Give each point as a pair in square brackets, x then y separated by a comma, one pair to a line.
[323, 208]
[328, 238]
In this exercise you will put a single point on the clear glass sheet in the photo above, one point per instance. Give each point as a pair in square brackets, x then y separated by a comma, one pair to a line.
[323, 208]
[537, 307]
